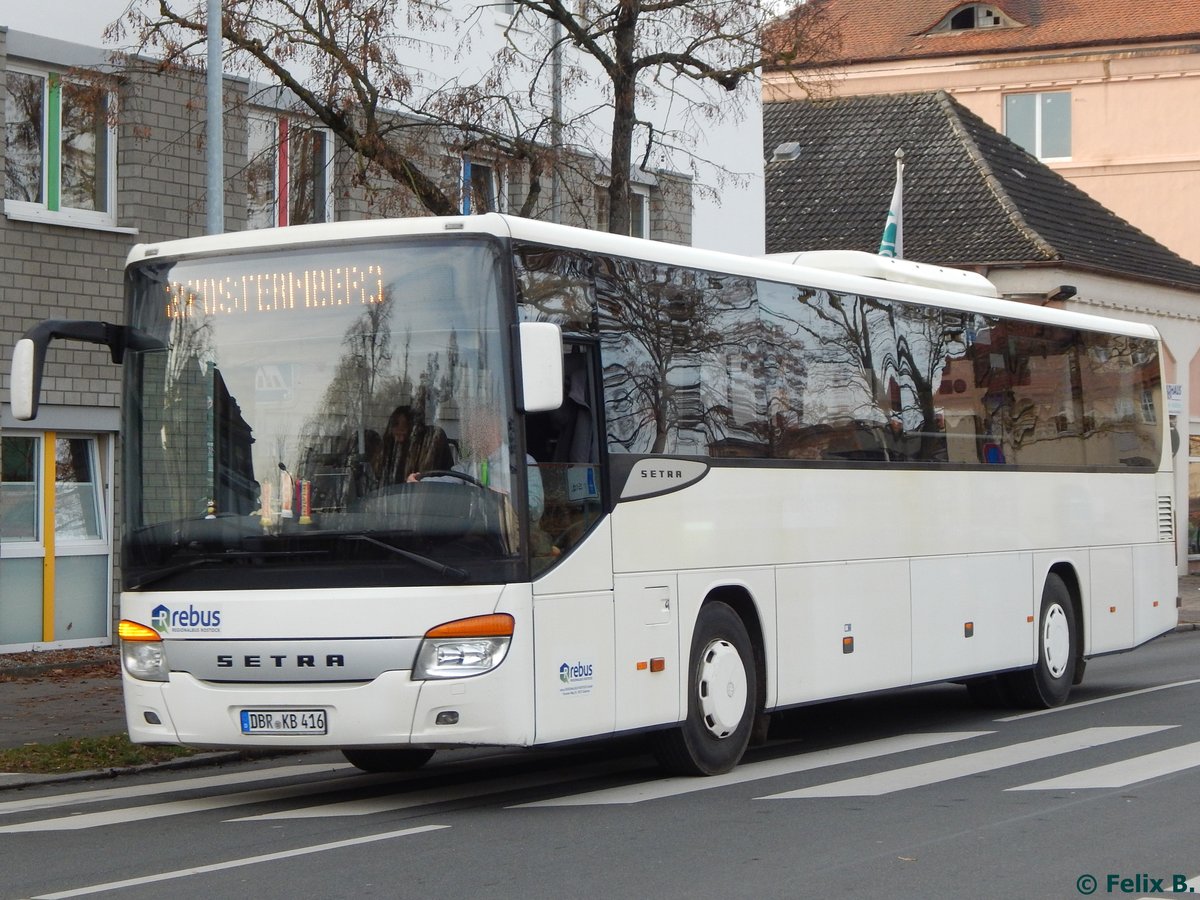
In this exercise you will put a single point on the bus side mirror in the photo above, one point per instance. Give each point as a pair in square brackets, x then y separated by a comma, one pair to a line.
[541, 366]
[29, 356]
[25, 383]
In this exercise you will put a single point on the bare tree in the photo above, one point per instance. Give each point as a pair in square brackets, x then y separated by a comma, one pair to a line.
[663, 46]
[361, 68]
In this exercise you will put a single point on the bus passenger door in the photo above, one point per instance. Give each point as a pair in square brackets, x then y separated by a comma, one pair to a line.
[571, 549]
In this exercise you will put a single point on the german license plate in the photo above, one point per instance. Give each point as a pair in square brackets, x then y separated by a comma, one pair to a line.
[284, 721]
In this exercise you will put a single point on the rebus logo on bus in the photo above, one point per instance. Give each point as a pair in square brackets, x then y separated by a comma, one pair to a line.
[576, 679]
[165, 620]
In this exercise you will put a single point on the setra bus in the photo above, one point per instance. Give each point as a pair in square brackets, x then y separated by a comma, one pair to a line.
[394, 486]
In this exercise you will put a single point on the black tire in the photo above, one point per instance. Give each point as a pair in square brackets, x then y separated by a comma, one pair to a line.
[1049, 682]
[722, 698]
[402, 759]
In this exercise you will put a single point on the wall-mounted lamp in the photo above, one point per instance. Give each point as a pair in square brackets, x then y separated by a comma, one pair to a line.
[1061, 293]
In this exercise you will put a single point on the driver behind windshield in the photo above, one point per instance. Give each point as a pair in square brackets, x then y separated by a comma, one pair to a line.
[485, 459]
[410, 446]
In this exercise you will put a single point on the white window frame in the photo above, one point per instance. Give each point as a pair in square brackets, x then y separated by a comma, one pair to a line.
[38, 547]
[282, 174]
[40, 211]
[639, 196]
[1037, 150]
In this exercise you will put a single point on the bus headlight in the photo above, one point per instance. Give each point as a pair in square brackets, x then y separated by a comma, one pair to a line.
[464, 647]
[142, 652]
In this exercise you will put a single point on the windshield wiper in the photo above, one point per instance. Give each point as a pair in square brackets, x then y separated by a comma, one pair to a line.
[451, 572]
[227, 556]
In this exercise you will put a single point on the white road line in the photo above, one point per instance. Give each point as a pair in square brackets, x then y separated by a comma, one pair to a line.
[236, 863]
[166, 787]
[1127, 771]
[182, 807]
[393, 802]
[1071, 706]
[671, 787]
[971, 764]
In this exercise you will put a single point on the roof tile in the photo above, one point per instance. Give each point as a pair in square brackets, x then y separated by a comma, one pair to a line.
[971, 196]
[879, 29]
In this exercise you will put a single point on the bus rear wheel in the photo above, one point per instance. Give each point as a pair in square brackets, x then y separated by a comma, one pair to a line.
[401, 759]
[1049, 682]
[722, 698]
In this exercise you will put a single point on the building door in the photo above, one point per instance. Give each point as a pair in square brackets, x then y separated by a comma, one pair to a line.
[55, 548]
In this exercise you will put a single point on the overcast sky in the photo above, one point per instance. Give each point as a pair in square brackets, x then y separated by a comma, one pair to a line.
[81, 21]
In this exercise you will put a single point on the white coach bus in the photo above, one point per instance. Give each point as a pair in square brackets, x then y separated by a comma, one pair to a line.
[395, 486]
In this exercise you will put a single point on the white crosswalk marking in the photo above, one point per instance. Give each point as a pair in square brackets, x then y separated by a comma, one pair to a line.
[444, 794]
[1120, 774]
[671, 787]
[182, 807]
[99, 795]
[970, 764]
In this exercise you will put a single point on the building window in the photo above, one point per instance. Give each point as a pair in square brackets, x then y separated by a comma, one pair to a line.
[977, 15]
[639, 211]
[1041, 123]
[58, 149]
[55, 517]
[482, 188]
[288, 173]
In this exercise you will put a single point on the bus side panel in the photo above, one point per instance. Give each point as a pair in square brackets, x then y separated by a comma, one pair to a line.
[970, 615]
[843, 629]
[1155, 587]
[574, 682]
[647, 628]
[1109, 601]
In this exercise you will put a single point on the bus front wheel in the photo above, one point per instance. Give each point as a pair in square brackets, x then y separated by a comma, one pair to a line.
[722, 698]
[401, 759]
[1049, 681]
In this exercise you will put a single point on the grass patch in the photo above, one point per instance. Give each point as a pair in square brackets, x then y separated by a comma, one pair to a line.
[82, 754]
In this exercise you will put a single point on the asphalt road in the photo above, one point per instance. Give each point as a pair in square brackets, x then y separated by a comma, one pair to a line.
[912, 793]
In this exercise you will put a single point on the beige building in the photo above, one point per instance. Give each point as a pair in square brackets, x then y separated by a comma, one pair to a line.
[1102, 91]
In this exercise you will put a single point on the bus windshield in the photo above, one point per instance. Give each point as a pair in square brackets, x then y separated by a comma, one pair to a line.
[321, 417]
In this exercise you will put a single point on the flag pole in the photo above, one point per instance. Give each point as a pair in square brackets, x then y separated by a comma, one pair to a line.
[893, 230]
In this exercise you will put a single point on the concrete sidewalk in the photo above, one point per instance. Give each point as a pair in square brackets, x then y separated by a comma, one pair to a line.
[76, 694]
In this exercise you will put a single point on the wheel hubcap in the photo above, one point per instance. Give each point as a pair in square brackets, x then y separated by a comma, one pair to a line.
[722, 688]
[1056, 641]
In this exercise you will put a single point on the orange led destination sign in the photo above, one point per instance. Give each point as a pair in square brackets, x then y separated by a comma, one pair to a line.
[278, 291]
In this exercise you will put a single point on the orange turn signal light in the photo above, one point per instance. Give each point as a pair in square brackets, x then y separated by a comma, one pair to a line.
[136, 631]
[494, 625]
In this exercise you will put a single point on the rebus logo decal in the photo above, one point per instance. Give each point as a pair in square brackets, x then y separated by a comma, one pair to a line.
[191, 620]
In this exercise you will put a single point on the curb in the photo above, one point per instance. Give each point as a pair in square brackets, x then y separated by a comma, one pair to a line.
[17, 780]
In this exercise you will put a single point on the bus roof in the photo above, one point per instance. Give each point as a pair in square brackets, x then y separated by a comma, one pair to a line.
[845, 271]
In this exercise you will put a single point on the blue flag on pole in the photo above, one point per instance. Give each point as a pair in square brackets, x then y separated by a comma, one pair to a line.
[893, 231]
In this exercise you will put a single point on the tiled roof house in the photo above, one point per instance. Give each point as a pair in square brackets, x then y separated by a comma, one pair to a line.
[1101, 90]
[972, 197]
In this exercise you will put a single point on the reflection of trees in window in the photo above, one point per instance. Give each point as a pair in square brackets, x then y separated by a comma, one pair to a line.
[661, 326]
[41, 108]
[84, 145]
[24, 102]
[556, 286]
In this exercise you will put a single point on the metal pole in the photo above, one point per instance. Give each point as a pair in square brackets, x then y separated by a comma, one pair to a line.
[215, 121]
[556, 34]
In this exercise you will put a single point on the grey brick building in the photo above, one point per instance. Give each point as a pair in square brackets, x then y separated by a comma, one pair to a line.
[93, 167]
